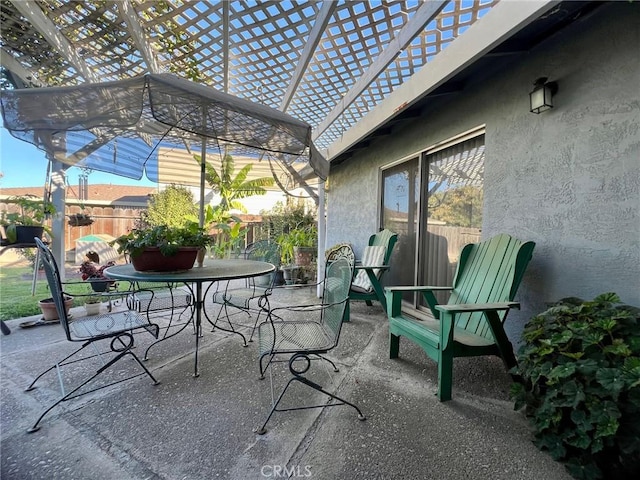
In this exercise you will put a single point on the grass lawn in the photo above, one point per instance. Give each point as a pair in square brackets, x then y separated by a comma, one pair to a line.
[16, 300]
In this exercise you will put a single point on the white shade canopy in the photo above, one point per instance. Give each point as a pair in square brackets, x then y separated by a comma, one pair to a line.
[118, 127]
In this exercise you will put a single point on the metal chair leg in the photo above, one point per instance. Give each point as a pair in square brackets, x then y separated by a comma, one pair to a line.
[121, 352]
[297, 376]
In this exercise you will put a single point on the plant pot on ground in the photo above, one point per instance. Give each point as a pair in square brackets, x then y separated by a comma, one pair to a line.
[279, 280]
[48, 307]
[578, 380]
[304, 256]
[92, 304]
[290, 274]
[298, 245]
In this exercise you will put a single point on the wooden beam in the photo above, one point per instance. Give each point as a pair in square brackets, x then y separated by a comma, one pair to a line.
[427, 12]
[16, 68]
[32, 12]
[132, 21]
[482, 37]
[320, 24]
[225, 45]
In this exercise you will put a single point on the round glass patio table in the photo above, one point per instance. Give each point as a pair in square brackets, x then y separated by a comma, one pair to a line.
[213, 271]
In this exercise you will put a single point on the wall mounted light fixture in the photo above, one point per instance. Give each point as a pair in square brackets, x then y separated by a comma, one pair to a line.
[541, 97]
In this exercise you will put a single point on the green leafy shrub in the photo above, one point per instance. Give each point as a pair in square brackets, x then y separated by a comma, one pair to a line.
[170, 207]
[579, 378]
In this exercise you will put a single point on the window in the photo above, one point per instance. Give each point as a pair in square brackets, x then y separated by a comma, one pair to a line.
[434, 202]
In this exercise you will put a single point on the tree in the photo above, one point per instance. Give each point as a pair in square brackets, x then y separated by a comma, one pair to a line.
[460, 207]
[171, 207]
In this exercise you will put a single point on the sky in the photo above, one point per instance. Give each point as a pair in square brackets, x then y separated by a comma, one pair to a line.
[23, 165]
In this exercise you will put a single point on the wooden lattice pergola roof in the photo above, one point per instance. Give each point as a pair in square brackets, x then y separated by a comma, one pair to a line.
[327, 63]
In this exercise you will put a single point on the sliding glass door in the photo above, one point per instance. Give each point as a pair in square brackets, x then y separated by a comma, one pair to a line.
[434, 202]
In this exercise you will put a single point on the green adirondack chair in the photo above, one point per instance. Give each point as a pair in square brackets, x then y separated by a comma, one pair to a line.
[471, 323]
[368, 274]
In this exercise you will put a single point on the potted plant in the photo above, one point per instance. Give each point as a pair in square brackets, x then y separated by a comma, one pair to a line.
[21, 227]
[94, 273]
[578, 381]
[92, 303]
[163, 248]
[298, 251]
[80, 220]
[49, 311]
[304, 242]
[298, 246]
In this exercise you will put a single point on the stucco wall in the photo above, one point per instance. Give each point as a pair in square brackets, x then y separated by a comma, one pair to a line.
[568, 179]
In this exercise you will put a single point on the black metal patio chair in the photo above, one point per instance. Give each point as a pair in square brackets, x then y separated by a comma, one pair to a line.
[162, 300]
[251, 299]
[116, 327]
[314, 332]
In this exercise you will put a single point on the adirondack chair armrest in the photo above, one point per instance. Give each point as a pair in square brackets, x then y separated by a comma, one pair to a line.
[394, 297]
[477, 307]
[372, 267]
[416, 288]
[490, 310]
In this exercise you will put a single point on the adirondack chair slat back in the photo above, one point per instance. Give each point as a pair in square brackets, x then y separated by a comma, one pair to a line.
[489, 272]
[385, 238]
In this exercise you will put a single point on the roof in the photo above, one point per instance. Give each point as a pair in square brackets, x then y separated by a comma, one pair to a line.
[98, 193]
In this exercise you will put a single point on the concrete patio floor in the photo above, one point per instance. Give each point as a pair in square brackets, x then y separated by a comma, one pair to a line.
[202, 428]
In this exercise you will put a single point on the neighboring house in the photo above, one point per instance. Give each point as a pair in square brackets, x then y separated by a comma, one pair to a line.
[568, 178]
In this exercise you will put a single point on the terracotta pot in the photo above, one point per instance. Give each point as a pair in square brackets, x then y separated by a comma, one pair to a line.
[304, 255]
[152, 260]
[48, 308]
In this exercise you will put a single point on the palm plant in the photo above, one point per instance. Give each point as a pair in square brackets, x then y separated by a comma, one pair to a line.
[232, 187]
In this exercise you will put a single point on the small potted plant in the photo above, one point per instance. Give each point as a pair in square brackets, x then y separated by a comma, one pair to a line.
[298, 247]
[94, 273]
[305, 241]
[163, 248]
[21, 227]
[49, 311]
[92, 303]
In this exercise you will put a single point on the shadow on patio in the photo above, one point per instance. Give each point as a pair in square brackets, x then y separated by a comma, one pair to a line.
[203, 427]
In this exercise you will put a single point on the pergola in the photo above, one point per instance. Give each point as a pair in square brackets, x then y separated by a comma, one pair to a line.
[353, 70]
[327, 63]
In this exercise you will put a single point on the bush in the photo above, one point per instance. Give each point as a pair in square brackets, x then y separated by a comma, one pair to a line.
[170, 207]
[579, 373]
